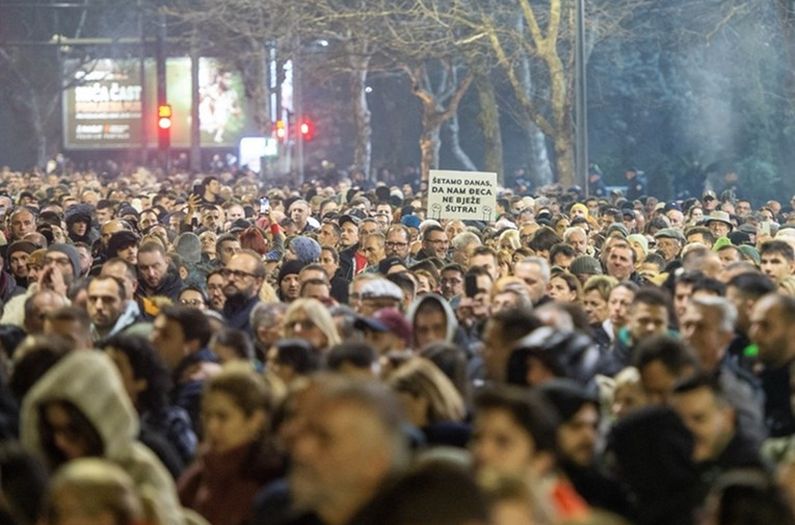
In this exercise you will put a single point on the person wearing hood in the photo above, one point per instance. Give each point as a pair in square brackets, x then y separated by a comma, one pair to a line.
[79, 409]
[189, 247]
[79, 224]
[433, 321]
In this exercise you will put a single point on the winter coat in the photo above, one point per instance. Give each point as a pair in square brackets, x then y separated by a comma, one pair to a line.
[221, 486]
[169, 287]
[89, 381]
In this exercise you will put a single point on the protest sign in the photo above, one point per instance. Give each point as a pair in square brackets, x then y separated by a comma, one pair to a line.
[465, 195]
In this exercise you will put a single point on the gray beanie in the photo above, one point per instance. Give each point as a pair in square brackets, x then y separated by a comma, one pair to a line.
[189, 247]
[585, 264]
[306, 249]
[69, 251]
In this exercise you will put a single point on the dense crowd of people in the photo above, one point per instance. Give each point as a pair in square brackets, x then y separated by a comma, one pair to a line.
[214, 349]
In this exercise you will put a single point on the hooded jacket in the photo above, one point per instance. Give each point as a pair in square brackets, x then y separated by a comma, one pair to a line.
[90, 382]
[452, 322]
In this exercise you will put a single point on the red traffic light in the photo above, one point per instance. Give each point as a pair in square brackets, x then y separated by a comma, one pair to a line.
[306, 127]
[164, 116]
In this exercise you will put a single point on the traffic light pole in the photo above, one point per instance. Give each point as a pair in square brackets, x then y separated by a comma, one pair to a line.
[162, 98]
[298, 111]
[142, 71]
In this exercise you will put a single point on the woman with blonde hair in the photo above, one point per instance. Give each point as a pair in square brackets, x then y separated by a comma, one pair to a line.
[505, 261]
[310, 320]
[92, 490]
[510, 240]
[432, 402]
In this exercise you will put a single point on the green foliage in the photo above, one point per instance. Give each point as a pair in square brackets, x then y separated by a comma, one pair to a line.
[759, 180]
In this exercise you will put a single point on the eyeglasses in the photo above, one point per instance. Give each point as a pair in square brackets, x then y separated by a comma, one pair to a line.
[191, 302]
[394, 244]
[237, 274]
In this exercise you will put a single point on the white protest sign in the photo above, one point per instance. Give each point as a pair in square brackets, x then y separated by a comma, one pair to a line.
[465, 195]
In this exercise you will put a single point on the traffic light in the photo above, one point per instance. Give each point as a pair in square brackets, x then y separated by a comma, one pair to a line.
[306, 127]
[164, 126]
[280, 130]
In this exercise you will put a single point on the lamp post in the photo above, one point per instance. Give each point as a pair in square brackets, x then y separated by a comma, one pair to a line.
[581, 99]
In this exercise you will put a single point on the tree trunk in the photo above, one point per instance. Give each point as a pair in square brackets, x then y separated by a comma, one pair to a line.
[489, 119]
[429, 150]
[537, 154]
[540, 167]
[564, 159]
[363, 145]
[455, 145]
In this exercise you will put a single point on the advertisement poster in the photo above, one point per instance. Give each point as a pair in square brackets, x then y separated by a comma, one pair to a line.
[104, 109]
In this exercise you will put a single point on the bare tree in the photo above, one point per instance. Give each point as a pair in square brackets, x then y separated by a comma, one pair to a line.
[439, 101]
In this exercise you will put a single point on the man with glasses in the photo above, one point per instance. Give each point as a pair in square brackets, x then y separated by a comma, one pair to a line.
[215, 290]
[452, 282]
[435, 242]
[397, 243]
[61, 266]
[244, 274]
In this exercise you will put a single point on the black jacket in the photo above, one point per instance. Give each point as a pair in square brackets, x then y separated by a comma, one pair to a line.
[169, 287]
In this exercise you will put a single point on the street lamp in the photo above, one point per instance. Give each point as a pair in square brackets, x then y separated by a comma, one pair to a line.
[581, 100]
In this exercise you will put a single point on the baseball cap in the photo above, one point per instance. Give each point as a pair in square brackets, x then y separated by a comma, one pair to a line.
[387, 320]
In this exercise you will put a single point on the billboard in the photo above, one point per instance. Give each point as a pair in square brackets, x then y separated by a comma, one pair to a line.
[104, 109]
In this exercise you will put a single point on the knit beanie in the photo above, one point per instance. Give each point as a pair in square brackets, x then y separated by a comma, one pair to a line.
[410, 221]
[189, 247]
[306, 249]
[581, 207]
[21, 246]
[618, 227]
[750, 253]
[69, 251]
[640, 239]
[290, 268]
